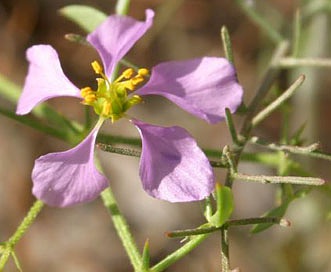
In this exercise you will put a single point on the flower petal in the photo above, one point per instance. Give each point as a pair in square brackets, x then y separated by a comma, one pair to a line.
[115, 36]
[45, 79]
[66, 178]
[204, 87]
[172, 166]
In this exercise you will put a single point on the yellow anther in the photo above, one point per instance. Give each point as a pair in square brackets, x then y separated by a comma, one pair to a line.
[106, 108]
[85, 91]
[90, 98]
[136, 80]
[97, 67]
[143, 72]
[128, 73]
[89, 95]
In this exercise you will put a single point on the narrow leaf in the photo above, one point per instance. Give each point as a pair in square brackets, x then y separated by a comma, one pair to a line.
[224, 202]
[86, 17]
[146, 257]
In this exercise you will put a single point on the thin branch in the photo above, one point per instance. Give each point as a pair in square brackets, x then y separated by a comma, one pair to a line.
[278, 102]
[287, 148]
[280, 179]
[229, 223]
[289, 62]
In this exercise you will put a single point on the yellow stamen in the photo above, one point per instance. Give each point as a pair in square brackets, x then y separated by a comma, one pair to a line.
[90, 98]
[128, 73]
[106, 108]
[143, 72]
[136, 80]
[97, 67]
[85, 91]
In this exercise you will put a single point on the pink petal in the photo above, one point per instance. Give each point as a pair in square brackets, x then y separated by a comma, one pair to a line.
[45, 79]
[172, 166]
[115, 37]
[66, 178]
[204, 87]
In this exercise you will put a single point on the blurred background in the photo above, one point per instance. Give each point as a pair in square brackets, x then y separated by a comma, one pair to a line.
[82, 238]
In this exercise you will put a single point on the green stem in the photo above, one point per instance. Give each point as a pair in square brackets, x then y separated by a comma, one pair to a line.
[119, 150]
[20, 231]
[30, 122]
[227, 44]
[122, 229]
[280, 179]
[122, 7]
[296, 34]
[305, 150]
[225, 257]
[232, 129]
[111, 139]
[290, 62]
[262, 23]
[233, 222]
[269, 78]
[278, 102]
[179, 253]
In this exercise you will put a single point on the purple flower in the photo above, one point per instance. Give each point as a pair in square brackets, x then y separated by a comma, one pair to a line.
[172, 166]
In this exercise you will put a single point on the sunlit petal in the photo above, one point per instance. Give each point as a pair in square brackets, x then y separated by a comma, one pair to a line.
[45, 79]
[115, 37]
[172, 166]
[204, 87]
[66, 178]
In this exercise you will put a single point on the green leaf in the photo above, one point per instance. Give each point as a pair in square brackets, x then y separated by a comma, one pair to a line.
[224, 203]
[145, 257]
[86, 17]
[16, 261]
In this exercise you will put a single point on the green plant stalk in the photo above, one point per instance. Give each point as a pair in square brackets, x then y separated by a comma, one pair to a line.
[146, 257]
[296, 33]
[320, 155]
[280, 179]
[233, 222]
[269, 159]
[194, 242]
[290, 62]
[20, 231]
[314, 7]
[122, 229]
[112, 139]
[225, 256]
[227, 44]
[287, 148]
[232, 129]
[270, 76]
[122, 7]
[35, 124]
[179, 253]
[260, 21]
[118, 150]
[278, 102]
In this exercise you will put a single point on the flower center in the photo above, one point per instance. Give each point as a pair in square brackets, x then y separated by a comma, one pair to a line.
[112, 99]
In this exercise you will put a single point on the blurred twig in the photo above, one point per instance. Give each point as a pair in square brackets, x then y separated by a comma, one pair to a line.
[261, 22]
